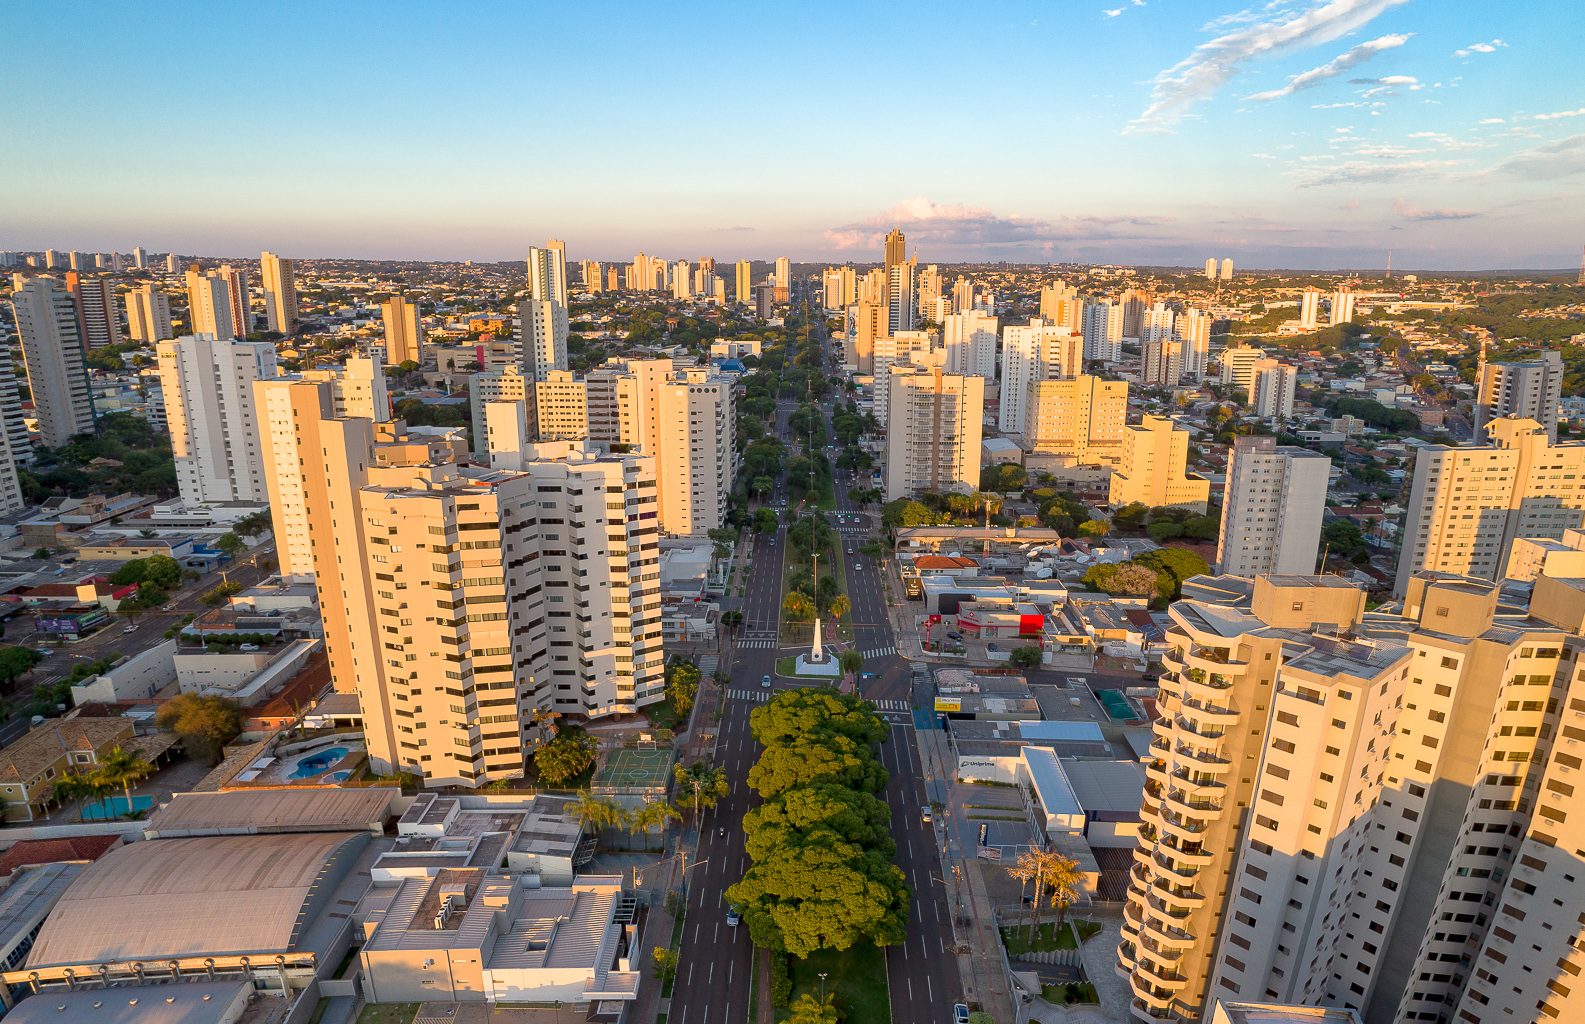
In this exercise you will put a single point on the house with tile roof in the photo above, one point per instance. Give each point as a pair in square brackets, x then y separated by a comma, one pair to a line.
[30, 766]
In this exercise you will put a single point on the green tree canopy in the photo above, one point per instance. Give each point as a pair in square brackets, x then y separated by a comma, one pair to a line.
[565, 757]
[205, 724]
[700, 785]
[1008, 476]
[806, 759]
[1025, 657]
[906, 512]
[816, 711]
[799, 812]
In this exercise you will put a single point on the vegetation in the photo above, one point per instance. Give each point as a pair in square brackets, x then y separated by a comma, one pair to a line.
[205, 724]
[1025, 657]
[700, 786]
[1056, 879]
[146, 465]
[1160, 572]
[566, 757]
[682, 686]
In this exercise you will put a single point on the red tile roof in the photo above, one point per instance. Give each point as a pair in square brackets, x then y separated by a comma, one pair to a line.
[48, 851]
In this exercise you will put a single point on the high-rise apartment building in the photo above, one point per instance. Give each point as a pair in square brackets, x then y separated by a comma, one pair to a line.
[934, 310]
[240, 299]
[1272, 389]
[1193, 328]
[15, 448]
[1056, 295]
[95, 298]
[1135, 301]
[1242, 651]
[593, 277]
[140, 258]
[682, 280]
[216, 436]
[404, 331]
[962, 295]
[970, 340]
[614, 401]
[1227, 269]
[1210, 269]
[765, 300]
[1532, 388]
[506, 384]
[1154, 469]
[1272, 509]
[280, 293]
[1238, 366]
[896, 248]
[744, 282]
[209, 298]
[52, 349]
[1310, 309]
[540, 329]
[900, 308]
[1038, 351]
[865, 327]
[81, 262]
[562, 405]
[52, 259]
[1162, 365]
[288, 410]
[1342, 305]
[1081, 418]
[691, 430]
[917, 347]
[148, 314]
[1102, 324]
[933, 431]
[173, 263]
[1467, 505]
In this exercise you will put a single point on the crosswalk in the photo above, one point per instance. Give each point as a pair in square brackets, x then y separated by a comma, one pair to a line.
[759, 644]
[879, 652]
[749, 695]
[891, 705]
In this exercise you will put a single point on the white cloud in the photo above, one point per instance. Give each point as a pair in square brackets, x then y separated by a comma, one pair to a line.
[1561, 113]
[958, 224]
[1263, 156]
[1370, 172]
[1113, 14]
[1352, 204]
[1410, 212]
[1334, 67]
[1212, 64]
[1492, 120]
[1490, 47]
[1559, 159]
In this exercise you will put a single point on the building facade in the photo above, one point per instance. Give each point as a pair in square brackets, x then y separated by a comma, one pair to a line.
[216, 437]
[933, 431]
[404, 331]
[280, 293]
[1154, 469]
[53, 352]
[148, 314]
[1272, 509]
[1532, 389]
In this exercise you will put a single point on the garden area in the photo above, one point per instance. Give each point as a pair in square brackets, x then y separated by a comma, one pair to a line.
[855, 976]
[805, 598]
[1048, 936]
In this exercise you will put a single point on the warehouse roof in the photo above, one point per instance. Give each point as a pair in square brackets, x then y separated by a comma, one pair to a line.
[199, 896]
[202, 1002]
[272, 810]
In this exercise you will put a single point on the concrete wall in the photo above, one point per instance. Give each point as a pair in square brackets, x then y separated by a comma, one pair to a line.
[228, 671]
[137, 678]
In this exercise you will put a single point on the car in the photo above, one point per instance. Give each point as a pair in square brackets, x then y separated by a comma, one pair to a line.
[1151, 677]
[960, 1013]
[924, 815]
[992, 647]
[858, 567]
[765, 682]
[41, 652]
[248, 647]
[130, 629]
[733, 918]
[850, 551]
[773, 542]
[955, 636]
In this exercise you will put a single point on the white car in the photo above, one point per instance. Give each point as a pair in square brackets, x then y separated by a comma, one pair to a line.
[130, 629]
[248, 647]
[857, 567]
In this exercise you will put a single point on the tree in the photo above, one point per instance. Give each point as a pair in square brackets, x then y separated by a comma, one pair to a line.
[1025, 657]
[121, 767]
[1062, 884]
[567, 756]
[593, 810]
[1164, 530]
[839, 606]
[205, 724]
[732, 619]
[229, 544]
[1131, 515]
[816, 711]
[828, 758]
[682, 686]
[1176, 565]
[665, 963]
[798, 605]
[906, 512]
[810, 1010]
[803, 810]
[1095, 528]
[84, 788]
[851, 662]
[649, 814]
[700, 786]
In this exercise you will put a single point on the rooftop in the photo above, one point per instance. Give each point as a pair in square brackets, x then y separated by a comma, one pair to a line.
[273, 810]
[27, 758]
[202, 1002]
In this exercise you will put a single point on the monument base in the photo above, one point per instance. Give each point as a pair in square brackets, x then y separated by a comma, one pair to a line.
[804, 667]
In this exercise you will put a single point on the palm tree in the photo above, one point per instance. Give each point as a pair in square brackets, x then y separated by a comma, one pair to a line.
[1043, 867]
[1062, 887]
[840, 606]
[588, 809]
[122, 767]
[650, 814]
[84, 788]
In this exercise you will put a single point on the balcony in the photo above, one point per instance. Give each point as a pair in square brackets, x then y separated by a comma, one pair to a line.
[1187, 829]
[1167, 979]
[1204, 731]
[1151, 997]
[1204, 760]
[1163, 934]
[1194, 900]
[1200, 782]
[1215, 713]
[1179, 874]
[1147, 1013]
[1182, 804]
[1218, 655]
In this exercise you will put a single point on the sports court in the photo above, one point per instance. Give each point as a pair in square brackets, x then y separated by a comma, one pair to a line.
[644, 769]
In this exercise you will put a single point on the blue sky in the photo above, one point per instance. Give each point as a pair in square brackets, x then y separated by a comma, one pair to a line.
[1284, 134]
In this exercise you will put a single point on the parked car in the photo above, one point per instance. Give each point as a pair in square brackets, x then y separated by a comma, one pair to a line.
[248, 647]
[924, 814]
[992, 647]
[955, 636]
[1151, 677]
[960, 1013]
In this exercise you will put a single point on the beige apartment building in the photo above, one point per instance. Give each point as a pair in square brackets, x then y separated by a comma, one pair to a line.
[1468, 505]
[404, 331]
[1153, 471]
[933, 431]
[210, 310]
[1081, 417]
[1272, 507]
[692, 434]
[148, 314]
[507, 384]
[280, 293]
[1532, 388]
[562, 405]
[288, 410]
[1238, 366]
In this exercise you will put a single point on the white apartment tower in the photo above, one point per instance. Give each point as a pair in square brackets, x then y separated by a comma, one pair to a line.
[1163, 361]
[96, 309]
[286, 443]
[932, 431]
[280, 293]
[1310, 309]
[1210, 269]
[1103, 331]
[1272, 509]
[148, 314]
[1532, 388]
[1193, 329]
[971, 343]
[507, 384]
[1342, 305]
[1227, 269]
[140, 258]
[209, 311]
[209, 406]
[1272, 389]
[1080, 418]
[52, 350]
[561, 403]
[1238, 366]
[691, 431]
[1468, 505]
[1039, 351]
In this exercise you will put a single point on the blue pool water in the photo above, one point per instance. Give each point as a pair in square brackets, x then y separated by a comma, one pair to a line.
[310, 766]
[97, 811]
[341, 776]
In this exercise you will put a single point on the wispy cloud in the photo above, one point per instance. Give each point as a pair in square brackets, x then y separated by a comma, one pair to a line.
[1490, 47]
[1213, 63]
[1410, 212]
[958, 224]
[1561, 113]
[1263, 156]
[1334, 67]
[1370, 172]
[1112, 14]
[1352, 204]
[1492, 120]
[1560, 159]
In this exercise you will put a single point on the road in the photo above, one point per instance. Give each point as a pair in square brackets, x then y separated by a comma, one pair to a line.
[713, 970]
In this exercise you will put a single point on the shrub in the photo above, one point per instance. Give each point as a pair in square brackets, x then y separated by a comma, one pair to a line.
[780, 980]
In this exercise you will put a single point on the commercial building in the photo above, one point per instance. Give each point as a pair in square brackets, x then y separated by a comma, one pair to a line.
[1272, 389]
[52, 349]
[932, 431]
[1081, 417]
[970, 340]
[289, 410]
[404, 331]
[148, 314]
[280, 293]
[96, 309]
[1532, 389]
[1272, 509]
[1468, 505]
[1153, 471]
[216, 437]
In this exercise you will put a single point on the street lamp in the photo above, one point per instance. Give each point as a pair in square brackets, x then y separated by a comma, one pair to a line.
[822, 986]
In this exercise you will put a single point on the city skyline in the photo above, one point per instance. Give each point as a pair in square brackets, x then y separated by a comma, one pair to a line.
[1296, 136]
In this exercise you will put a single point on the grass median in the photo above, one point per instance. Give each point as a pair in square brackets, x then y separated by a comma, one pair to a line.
[857, 975]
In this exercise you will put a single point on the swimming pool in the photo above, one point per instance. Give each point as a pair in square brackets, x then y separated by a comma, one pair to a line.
[97, 811]
[341, 776]
[316, 763]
